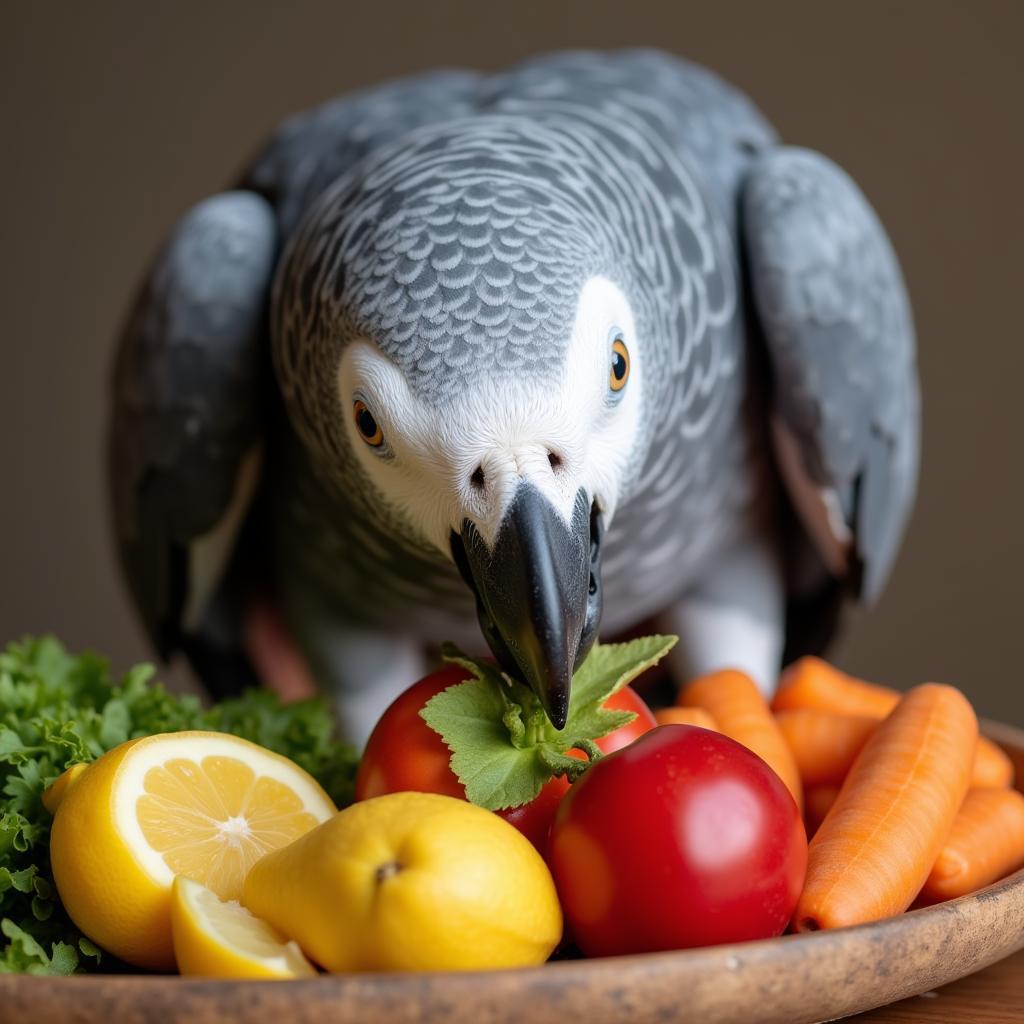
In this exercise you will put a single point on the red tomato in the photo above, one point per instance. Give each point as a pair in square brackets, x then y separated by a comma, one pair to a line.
[685, 838]
[404, 753]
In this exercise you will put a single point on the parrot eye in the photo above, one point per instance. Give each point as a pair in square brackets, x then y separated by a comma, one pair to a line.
[367, 426]
[620, 365]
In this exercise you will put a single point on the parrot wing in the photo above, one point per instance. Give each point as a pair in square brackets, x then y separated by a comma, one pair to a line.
[189, 406]
[835, 317]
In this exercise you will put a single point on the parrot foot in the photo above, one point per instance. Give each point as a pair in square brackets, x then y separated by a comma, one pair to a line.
[270, 647]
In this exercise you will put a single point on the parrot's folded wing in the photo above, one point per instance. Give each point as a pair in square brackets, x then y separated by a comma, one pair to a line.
[190, 386]
[834, 313]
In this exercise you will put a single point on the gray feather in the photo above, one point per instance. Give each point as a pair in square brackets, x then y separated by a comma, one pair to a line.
[311, 150]
[834, 311]
[189, 383]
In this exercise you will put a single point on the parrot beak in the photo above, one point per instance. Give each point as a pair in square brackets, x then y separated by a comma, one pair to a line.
[538, 592]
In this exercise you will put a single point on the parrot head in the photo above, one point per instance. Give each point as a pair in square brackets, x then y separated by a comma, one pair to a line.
[458, 341]
[513, 474]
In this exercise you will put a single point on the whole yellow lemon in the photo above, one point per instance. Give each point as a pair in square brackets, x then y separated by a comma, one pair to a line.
[410, 882]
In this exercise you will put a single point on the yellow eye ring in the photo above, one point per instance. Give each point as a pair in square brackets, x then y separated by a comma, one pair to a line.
[368, 427]
[620, 365]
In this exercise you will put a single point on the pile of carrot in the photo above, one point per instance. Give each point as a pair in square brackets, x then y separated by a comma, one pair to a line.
[904, 800]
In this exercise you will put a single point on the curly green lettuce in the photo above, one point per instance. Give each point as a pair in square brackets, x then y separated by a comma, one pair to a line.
[58, 709]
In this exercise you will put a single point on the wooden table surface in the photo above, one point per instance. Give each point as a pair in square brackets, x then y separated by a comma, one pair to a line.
[992, 996]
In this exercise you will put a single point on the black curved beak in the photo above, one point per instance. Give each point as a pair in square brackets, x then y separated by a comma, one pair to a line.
[538, 592]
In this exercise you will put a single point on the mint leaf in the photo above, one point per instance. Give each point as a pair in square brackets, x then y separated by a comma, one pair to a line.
[470, 718]
[610, 667]
[503, 747]
[607, 669]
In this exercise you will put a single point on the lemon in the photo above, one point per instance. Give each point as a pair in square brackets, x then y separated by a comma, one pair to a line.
[54, 793]
[217, 939]
[407, 882]
[204, 804]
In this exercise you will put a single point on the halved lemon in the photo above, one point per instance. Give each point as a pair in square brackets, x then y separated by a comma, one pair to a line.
[204, 804]
[218, 939]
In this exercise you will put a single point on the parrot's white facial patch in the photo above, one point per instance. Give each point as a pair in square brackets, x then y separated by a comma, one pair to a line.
[560, 429]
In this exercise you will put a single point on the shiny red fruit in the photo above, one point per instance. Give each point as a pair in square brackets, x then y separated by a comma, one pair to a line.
[683, 839]
[404, 753]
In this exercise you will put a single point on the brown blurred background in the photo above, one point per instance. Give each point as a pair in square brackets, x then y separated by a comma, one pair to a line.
[115, 118]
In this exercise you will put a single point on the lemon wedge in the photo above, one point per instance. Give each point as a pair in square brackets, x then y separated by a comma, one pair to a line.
[218, 939]
[203, 804]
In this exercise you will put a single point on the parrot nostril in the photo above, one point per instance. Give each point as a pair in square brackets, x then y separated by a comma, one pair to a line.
[554, 461]
[477, 479]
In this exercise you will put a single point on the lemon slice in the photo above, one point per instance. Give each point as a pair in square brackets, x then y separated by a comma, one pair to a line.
[207, 805]
[217, 939]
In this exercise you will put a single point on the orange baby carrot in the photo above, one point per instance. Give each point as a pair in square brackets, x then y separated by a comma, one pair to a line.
[992, 768]
[813, 683]
[818, 801]
[742, 714]
[893, 815]
[824, 744]
[686, 716]
[985, 844]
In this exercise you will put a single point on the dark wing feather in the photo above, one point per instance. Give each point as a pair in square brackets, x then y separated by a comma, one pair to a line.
[189, 401]
[834, 312]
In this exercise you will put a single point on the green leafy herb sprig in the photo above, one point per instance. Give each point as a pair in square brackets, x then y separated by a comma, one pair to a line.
[503, 747]
[56, 710]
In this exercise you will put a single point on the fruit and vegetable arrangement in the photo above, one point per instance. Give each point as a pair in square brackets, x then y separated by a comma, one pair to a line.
[141, 829]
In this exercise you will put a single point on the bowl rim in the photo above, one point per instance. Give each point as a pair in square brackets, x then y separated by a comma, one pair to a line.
[909, 921]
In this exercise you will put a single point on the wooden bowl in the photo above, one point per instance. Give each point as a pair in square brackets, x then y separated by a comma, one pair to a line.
[797, 979]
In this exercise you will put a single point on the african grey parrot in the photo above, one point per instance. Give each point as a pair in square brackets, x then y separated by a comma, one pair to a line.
[516, 354]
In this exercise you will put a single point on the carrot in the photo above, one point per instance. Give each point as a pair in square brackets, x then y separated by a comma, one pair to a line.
[818, 801]
[824, 744]
[893, 815]
[813, 684]
[810, 682]
[742, 714]
[985, 844]
[992, 768]
[686, 716]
